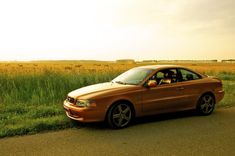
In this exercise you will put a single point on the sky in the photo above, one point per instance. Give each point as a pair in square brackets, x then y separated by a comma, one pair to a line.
[117, 29]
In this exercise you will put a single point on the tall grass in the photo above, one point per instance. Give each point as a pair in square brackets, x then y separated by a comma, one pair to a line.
[30, 103]
[228, 79]
[49, 87]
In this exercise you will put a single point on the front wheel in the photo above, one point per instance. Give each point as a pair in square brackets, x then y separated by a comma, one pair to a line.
[120, 115]
[206, 104]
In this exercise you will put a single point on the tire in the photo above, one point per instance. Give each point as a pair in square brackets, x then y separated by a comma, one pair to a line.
[119, 115]
[206, 104]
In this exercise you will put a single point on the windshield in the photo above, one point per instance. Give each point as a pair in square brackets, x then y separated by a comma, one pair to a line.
[133, 76]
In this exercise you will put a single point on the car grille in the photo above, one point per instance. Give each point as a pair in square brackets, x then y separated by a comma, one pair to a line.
[71, 100]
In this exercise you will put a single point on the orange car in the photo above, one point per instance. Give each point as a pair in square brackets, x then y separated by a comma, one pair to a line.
[142, 91]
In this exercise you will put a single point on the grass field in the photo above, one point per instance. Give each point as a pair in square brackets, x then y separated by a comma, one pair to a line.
[32, 93]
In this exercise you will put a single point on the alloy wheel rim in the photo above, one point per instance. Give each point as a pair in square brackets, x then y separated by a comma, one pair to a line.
[121, 115]
[207, 104]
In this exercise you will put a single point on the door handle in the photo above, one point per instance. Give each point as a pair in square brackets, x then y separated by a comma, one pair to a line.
[181, 88]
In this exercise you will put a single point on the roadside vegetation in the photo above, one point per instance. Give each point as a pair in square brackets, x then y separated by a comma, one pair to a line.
[32, 93]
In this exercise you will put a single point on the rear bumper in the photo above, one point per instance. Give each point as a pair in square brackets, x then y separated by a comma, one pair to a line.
[83, 114]
[219, 95]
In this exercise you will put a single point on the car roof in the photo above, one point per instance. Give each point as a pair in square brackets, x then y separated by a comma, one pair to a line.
[161, 66]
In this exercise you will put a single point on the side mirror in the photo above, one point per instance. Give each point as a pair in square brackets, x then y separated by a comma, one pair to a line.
[152, 83]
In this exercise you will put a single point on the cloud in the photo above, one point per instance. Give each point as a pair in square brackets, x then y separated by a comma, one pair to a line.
[182, 15]
[209, 16]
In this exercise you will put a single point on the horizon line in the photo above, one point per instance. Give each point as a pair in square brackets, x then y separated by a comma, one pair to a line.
[125, 59]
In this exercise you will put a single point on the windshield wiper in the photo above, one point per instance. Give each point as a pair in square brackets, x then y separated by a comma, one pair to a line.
[120, 82]
[124, 83]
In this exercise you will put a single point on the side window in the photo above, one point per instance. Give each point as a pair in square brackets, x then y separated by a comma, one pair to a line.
[160, 75]
[187, 75]
[166, 76]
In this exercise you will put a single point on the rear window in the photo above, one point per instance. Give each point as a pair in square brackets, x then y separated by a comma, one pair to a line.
[187, 75]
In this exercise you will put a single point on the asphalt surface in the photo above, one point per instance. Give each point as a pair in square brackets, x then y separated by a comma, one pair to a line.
[182, 133]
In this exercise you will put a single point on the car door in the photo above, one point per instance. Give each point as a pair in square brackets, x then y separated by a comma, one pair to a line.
[163, 97]
[190, 83]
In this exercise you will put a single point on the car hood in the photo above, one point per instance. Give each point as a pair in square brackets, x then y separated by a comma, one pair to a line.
[94, 90]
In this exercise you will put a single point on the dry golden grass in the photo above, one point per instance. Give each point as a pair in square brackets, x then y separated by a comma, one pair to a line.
[81, 67]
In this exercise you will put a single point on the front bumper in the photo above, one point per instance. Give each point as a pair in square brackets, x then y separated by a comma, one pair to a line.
[83, 114]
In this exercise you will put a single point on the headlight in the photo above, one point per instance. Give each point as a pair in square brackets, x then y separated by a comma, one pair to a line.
[85, 103]
[82, 103]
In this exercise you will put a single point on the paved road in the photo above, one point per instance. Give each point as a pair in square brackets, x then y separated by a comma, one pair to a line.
[181, 133]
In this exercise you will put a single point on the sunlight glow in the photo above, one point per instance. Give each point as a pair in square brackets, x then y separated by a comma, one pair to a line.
[110, 30]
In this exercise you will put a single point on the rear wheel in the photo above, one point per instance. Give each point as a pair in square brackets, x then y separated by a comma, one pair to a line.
[120, 115]
[206, 104]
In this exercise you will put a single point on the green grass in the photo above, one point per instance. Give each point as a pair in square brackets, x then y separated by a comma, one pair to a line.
[30, 103]
[229, 88]
[229, 98]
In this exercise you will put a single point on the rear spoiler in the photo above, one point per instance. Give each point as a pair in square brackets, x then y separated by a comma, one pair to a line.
[214, 77]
